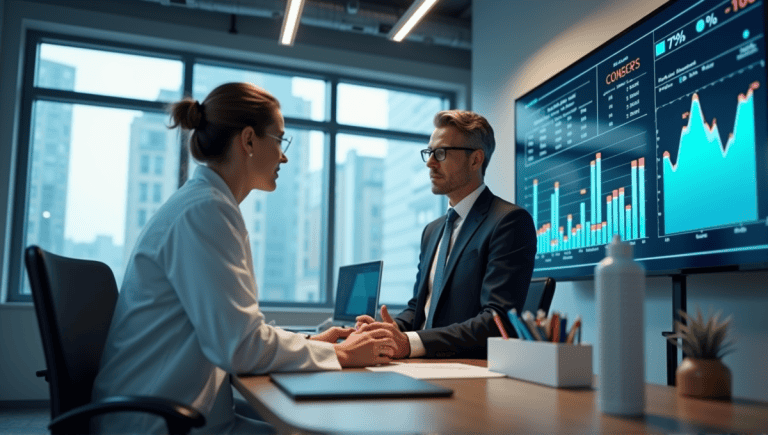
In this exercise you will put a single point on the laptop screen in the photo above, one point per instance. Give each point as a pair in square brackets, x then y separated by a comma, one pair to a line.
[357, 292]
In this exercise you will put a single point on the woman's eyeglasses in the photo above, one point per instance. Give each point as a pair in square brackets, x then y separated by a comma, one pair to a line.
[285, 142]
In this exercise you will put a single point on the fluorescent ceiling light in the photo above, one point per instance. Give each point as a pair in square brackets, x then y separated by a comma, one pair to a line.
[291, 21]
[412, 16]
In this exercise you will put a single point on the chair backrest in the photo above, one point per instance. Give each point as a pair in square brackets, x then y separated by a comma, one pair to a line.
[74, 302]
[540, 294]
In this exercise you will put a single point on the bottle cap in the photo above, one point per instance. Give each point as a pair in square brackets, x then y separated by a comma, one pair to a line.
[617, 248]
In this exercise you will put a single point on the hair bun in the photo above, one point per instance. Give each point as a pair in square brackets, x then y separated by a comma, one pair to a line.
[199, 116]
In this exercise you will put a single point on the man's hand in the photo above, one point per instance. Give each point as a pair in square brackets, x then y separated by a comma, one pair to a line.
[332, 335]
[366, 348]
[364, 320]
[366, 323]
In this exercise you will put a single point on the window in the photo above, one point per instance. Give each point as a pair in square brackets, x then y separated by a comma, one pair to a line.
[159, 163]
[157, 192]
[144, 164]
[88, 200]
[387, 109]
[109, 73]
[143, 192]
[153, 140]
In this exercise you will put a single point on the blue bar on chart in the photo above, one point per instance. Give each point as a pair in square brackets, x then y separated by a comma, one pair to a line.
[593, 191]
[558, 235]
[621, 214]
[615, 212]
[634, 199]
[628, 219]
[604, 233]
[536, 203]
[552, 220]
[582, 225]
[598, 186]
[641, 189]
[609, 212]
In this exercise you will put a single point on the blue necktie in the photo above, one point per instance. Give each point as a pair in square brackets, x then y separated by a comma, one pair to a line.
[442, 255]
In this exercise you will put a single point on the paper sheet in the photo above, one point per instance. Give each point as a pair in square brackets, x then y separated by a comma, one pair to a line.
[437, 370]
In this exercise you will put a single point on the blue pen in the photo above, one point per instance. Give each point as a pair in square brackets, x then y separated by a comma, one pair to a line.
[526, 334]
[512, 314]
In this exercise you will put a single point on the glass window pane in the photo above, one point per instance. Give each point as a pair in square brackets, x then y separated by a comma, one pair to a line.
[108, 73]
[367, 106]
[383, 203]
[284, 226]
[87, 197]
[299, 97]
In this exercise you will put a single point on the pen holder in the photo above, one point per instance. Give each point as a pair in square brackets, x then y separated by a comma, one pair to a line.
[542, 362]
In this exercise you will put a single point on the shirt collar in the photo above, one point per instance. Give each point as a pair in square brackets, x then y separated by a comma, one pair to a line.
[465, 205]
[210, 176]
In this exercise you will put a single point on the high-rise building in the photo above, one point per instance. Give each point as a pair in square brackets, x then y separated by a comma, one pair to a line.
[51, 136]
[153, 162]
[309, 228]
[359, 191]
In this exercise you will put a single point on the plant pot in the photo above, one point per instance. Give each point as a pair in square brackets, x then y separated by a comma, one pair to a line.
[703, 378]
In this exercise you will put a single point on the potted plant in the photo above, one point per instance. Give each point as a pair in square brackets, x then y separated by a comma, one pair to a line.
[702, 373]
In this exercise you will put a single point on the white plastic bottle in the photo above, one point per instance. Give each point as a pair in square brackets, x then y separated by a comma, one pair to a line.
[620, 292]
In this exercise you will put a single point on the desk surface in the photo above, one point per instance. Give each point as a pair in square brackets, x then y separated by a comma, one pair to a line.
[500, 405]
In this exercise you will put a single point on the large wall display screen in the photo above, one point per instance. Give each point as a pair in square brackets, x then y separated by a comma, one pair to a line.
[660, 137]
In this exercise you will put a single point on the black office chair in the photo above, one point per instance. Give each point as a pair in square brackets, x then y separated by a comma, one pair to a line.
[540, 294]
[74, 302]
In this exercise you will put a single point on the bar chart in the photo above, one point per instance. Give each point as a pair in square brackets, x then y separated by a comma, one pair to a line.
[621, 212]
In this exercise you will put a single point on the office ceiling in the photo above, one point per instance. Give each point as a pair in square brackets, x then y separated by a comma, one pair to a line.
[448, 23]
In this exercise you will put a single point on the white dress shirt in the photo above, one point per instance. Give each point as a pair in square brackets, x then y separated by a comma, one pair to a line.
[188, 314]
[462, 209]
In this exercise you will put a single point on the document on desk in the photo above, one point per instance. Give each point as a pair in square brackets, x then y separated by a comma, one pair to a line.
[437, 370]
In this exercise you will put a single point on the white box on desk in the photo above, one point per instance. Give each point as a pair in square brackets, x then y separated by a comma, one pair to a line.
[552, 364]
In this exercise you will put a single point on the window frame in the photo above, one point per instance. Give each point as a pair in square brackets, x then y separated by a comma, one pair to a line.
[329, 127]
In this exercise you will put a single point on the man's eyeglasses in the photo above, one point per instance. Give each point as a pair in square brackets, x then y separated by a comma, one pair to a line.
[440, 152]
[285, 142]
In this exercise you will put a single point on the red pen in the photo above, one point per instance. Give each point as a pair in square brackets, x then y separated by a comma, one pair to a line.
[555, 327]
[497, 319]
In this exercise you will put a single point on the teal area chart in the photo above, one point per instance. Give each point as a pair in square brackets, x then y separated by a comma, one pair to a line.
[727, 168]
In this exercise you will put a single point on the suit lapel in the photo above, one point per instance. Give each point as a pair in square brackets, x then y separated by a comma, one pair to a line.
[476, 216]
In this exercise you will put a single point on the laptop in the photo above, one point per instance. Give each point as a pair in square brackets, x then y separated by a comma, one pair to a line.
[357, 293]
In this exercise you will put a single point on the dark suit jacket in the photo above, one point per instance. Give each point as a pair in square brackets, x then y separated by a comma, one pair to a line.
[489, 268]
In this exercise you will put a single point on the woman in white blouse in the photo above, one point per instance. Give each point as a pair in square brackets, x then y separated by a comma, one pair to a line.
[188, 317]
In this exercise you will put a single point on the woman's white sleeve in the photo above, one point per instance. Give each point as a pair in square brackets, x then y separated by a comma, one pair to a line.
[207, 262]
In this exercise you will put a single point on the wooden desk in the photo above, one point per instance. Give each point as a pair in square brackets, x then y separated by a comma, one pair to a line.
[500, 405]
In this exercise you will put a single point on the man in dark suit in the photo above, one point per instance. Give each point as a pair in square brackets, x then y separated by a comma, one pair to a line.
[487, 246]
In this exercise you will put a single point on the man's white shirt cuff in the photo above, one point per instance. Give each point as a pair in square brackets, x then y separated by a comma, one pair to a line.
[417, 346]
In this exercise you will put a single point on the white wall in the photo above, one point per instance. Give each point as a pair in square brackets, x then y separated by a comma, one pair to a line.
[364, 56]
[516, 46]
